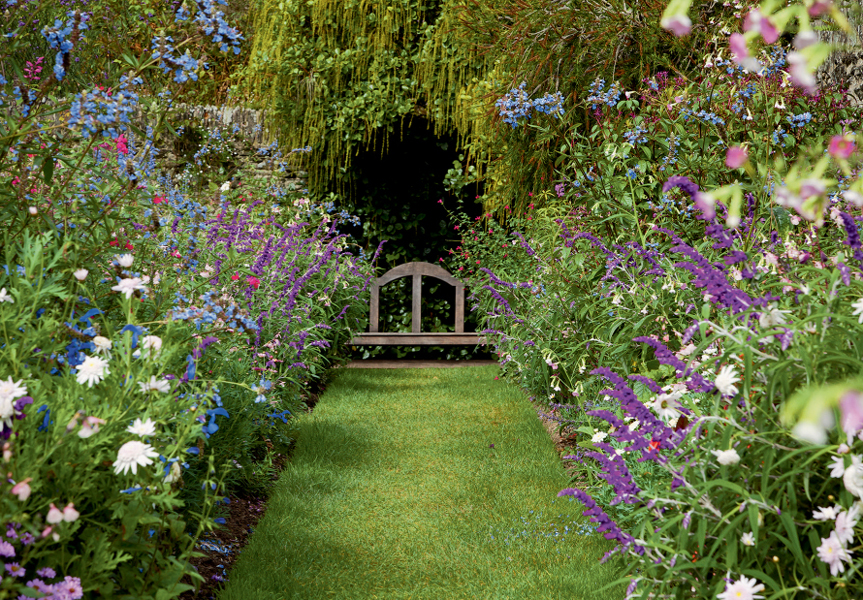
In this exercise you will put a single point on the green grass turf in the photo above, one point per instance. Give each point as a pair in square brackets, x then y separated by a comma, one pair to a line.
[394, 492]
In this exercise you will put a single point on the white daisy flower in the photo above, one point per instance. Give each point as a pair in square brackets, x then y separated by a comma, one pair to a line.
[128, 286]
[747, 539]
[125, 260]
[92, 370]
[102, 344]
[826, 514]
[743, 589]
[725, 381]
[12, 389]
[666, 405]
[142, 428]
[133, 454]
[155, 385]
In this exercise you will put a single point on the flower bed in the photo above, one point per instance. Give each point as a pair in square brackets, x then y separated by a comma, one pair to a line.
[157, 338]
[688, 303]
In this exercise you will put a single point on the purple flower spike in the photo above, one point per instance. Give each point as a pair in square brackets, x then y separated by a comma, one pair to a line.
[684, 183]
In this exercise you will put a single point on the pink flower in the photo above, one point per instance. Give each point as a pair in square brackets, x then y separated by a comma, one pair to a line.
[841, 146]
[121, 145]
[735, 157]
[737, 44]
[819, 7]
[756, 21]
[679, 25]
[851, 409]
[706, 204]
[55, 515]
[235, 277]
[159, 199]
[22, 489]
[801, 75]
[70, 514]
[253, 281]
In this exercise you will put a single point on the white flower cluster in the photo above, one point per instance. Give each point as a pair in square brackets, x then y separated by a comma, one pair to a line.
[10, 392]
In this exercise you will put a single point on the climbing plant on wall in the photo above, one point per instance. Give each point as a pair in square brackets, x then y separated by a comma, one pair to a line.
[341, 75]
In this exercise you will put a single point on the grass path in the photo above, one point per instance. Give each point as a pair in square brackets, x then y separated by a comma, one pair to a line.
[394, 492]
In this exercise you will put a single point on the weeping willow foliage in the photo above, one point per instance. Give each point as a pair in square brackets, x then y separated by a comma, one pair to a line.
[343, 75]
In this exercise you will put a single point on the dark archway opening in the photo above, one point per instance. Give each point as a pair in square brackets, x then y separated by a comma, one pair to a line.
[397, 196]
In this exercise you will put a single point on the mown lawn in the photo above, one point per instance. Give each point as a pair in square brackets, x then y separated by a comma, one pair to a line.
[395, 492]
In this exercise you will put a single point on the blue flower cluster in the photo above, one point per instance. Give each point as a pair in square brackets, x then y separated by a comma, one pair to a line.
[670, 158]
[57, 38]
[636, 136]
[800, 121]
[184, 65]
[598, 95]
[213, 23]
[516, 104]
[214, 309]
[97, 111]
[704, 115]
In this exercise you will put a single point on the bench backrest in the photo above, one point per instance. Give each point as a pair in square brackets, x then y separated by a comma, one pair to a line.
[416, 270]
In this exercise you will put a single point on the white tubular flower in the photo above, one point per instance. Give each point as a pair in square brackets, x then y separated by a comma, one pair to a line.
[92, 370]
[726, 457]
[5, 297]
[133, 454]
[858, 309]
[80, 274]
[128, 286]
[151, 342]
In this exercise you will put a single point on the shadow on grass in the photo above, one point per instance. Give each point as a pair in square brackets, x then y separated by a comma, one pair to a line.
[422, 485]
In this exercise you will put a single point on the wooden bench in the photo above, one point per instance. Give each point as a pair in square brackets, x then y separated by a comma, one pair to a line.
[416, 337]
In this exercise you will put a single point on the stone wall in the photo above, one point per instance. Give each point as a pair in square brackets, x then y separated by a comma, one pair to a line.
[845, 67]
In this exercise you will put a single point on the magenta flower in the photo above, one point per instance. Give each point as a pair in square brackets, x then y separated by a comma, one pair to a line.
[841, 146]
[735, 157]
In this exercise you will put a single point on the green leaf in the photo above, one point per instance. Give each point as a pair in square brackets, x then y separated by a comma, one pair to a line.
[48, 169]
